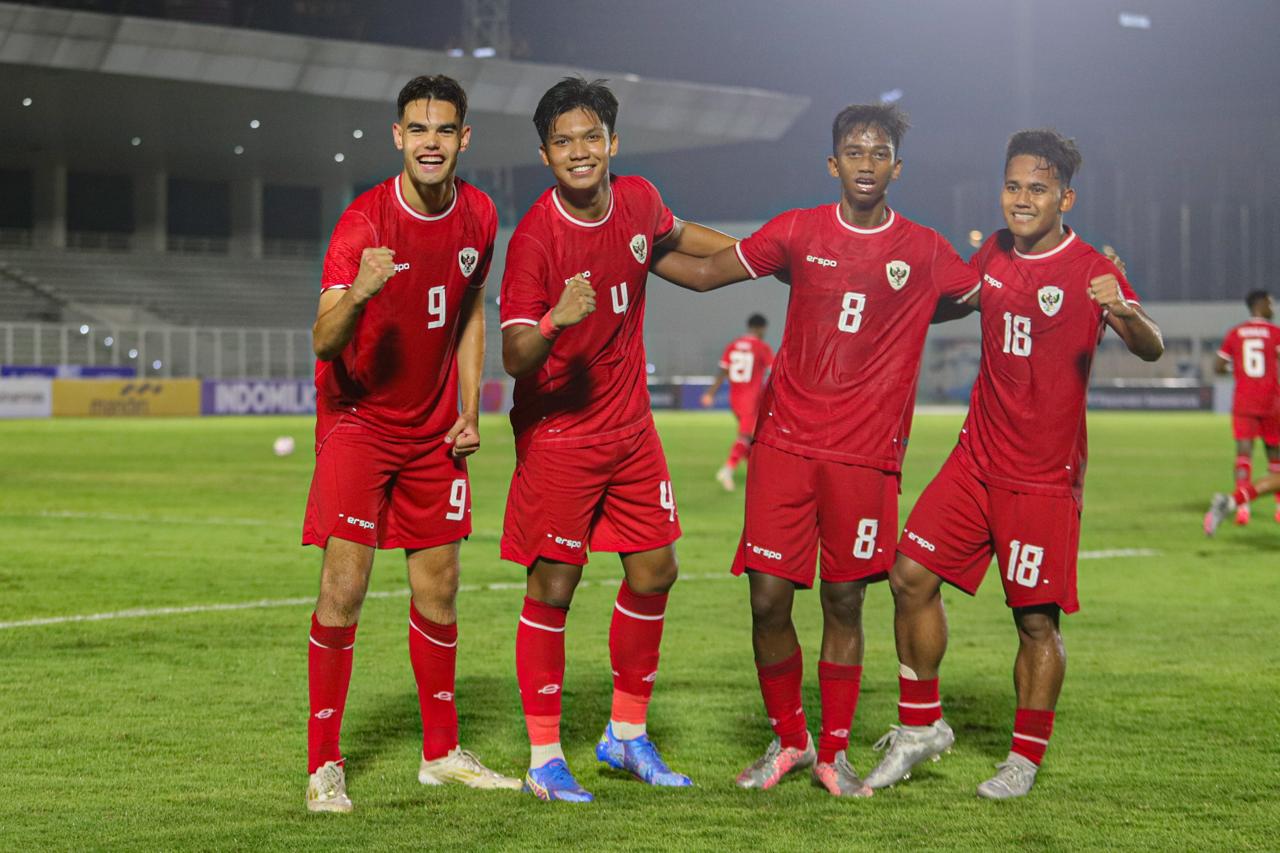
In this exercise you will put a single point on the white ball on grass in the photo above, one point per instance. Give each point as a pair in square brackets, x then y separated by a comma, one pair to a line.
[283, 445]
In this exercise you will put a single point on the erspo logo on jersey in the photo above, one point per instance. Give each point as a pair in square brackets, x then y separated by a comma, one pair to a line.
[401, 267]
[994, 282]
[822, 262]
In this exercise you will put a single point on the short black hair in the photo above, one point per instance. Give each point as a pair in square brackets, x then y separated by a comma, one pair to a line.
[756, 320]
[434, 88]
[1254, 297]
[1047, 146]
[574, 93]
[888, 117]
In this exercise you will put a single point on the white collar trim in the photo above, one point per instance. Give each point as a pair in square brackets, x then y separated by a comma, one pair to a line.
[1071, 236]
[884, 226]
[585, 223]
[422, 216]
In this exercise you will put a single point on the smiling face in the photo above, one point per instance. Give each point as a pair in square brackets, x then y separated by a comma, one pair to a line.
[578, 149]
[1033, 202]
[431, 137]
[866, 163]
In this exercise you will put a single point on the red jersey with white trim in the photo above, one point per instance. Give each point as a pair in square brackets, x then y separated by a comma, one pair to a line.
[1253, 348]
[399, 373]
[746, 362]
[592, 388]
[1026, 425]
[861, 301]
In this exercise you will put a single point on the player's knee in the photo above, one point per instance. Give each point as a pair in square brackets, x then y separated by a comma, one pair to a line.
[911, 583]
[1038, 625]
[842, 602]
[769, 612]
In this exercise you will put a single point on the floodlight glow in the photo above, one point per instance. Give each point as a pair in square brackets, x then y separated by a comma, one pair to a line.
[975, 238]
[84, 329]
[239, 149]
[357, 134]
[108, 341]
[454, 51]
[255, 124]
[133, 353]
[136, 141]
[891, 97]
[26, 102]
[484, 53]
[156, 365]
[1135, 21]
[339, 157]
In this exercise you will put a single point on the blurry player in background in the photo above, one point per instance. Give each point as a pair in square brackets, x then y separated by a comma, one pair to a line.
[1013, 486]
[399, 338]
[825, 468]
[1250, 351]
[590, 472]
[745, 363]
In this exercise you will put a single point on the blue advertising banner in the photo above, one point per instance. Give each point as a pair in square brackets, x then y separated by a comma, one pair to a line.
[258, 397]
[68, 371]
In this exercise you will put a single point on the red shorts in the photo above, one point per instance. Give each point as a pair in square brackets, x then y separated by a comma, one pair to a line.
[565, 501]
[1249, 427]
[959, 522]
[848, 513]
[388, 494]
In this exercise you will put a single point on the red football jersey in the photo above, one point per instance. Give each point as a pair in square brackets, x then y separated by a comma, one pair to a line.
[592, 387]
[398, 372]
[861, 301]
[1026, 425]
[746, 360]
[1253, 348]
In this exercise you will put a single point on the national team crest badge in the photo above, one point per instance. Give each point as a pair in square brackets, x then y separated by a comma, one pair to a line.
[897, 273]
[467, 259]
[1050, 299]
[640, 247]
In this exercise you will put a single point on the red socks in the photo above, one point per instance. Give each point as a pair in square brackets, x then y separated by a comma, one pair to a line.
[635, 635]
[433, 652]
[1031, 730]
[780, 686]
[737, 453]
[540, 668]
[918, 702]
[1245, 493]
[839, 685]
[1244, 469]
[328, 676]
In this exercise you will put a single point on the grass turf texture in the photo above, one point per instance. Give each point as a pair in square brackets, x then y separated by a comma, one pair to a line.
[188, 731]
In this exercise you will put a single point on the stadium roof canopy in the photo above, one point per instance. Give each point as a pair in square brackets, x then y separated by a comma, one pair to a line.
[188, 93]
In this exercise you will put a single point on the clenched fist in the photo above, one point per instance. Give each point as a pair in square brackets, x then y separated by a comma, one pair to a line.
[1105, 290]
[376, 267]
[576, 302]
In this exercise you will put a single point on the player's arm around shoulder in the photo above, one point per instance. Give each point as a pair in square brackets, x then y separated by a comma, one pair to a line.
[464, 435]
[698, 258]
[339, 309]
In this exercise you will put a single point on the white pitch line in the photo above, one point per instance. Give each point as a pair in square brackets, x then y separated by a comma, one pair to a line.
[146, 519]
[266, 603]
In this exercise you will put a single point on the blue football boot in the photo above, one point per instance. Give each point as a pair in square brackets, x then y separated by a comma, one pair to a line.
[553, 781]
[640, 758]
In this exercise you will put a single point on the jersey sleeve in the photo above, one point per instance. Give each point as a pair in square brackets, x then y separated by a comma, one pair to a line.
[1229, 344]
[723, 364]
[524, 283]
[766, 252]
[663, 219]
[351, 236]
[951, 275]
[486, 255]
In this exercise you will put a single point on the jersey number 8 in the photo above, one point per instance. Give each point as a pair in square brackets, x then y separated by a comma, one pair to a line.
[851, 317]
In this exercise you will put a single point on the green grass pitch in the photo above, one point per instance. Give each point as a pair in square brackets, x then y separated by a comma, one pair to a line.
[187, 730]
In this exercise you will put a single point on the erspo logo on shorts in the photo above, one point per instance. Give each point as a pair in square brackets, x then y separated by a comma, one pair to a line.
[359, 522]
[575, 544]
[922, 542]
[765, 552]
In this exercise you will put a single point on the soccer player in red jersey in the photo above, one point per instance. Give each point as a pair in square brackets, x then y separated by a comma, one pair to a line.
[825, 466]
[399, 338]
[1250, 350]
[744, 364]
[1014, 483]
[590, 472]
[1222, 504]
